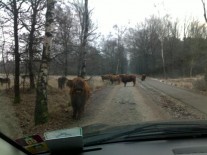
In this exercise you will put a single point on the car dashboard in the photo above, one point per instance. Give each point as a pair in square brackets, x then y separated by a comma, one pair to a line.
[193, 141]
[157, 147]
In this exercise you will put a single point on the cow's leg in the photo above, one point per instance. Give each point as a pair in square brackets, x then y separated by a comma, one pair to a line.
[124, 84]
[74, 112]
[79, 112]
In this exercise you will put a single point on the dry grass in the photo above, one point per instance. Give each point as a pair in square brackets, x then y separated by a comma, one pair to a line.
[187, 83]
[200, 84]
[59, 106]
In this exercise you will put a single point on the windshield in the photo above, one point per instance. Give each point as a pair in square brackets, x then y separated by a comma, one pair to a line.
[101, 64]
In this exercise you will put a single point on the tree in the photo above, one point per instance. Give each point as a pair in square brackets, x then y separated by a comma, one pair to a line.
[204, 10]
[162, 32]
[144, 47]
[31, 20]
[41, 108]
[13, 9]
[2, 52]
[109, 54]
[121, 55]
[196, 32]
[65, 32]
[84, 34]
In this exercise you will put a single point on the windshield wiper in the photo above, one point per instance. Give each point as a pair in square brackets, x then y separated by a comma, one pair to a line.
[150, 131]
[172, 131]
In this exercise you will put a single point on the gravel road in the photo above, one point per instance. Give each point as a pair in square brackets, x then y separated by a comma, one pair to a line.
[118, 105]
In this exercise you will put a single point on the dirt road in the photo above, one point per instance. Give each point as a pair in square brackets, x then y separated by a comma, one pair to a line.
[119, 105]
[188, 97]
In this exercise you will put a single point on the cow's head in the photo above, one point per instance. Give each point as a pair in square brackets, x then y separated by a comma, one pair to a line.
[77, 85]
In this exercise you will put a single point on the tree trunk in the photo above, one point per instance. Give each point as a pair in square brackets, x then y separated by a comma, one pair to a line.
[205, 17]
[66, 62]
[205, 75]
[117, 67]
[191, 67]
[2, 52]
[83, 46]
[163, 59]
[41, 109]
[16, 55]
[31, 40]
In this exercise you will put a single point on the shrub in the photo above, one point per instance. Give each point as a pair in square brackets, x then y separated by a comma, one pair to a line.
[200, 84]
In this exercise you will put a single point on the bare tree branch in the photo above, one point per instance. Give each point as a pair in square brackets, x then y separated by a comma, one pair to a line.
[204, 9]
[25, 25]
[3, 5]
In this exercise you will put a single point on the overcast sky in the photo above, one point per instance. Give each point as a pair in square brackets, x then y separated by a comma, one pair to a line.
[107, 13]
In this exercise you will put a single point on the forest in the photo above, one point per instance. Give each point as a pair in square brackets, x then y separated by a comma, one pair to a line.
[158, 46]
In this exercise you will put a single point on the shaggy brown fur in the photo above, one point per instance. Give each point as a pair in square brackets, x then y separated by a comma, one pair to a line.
[114, 78]
[61, 82]
[79, 93]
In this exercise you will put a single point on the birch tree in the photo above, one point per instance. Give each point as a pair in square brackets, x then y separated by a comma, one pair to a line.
[162, 32]
[41, 108]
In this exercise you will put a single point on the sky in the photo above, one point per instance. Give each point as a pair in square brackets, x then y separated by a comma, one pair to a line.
[128, 13]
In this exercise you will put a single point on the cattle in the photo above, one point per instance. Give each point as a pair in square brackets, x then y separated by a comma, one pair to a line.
[5, 80]
[106, 77]
[79, 93]
[114, 78]
[61, 82]
[69, 83]
[128, 78]
[143, 77]
[24, 77]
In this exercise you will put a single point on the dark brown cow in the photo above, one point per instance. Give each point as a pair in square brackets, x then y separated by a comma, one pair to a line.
[79, 93]
[61, 82]
[5, 80]
[106, 77]
[128, 78]
[24, 78]
[69, 83]
[143, 77]
[114, 78]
